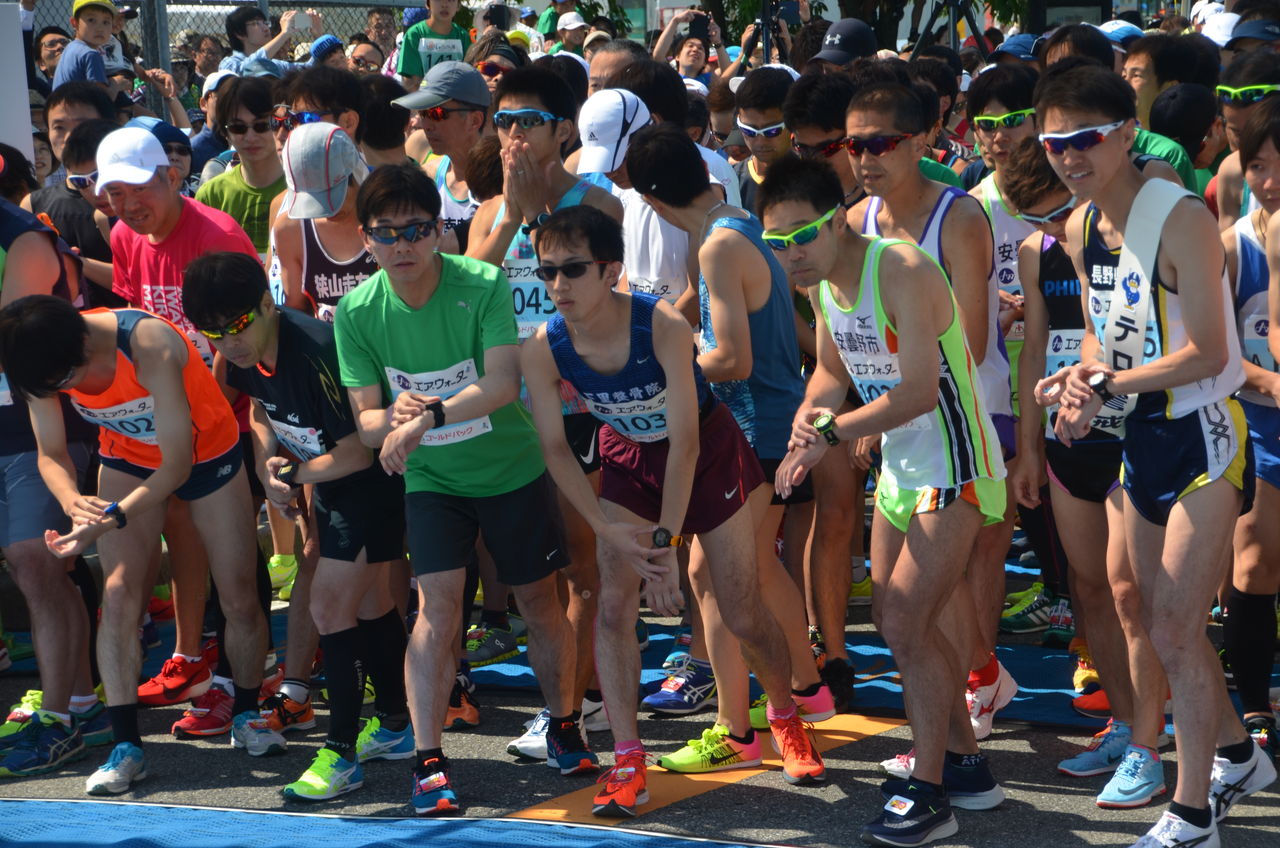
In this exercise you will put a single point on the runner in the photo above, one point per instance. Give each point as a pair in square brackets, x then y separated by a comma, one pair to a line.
[430, 42]
[1246, 82]
[427, 349]
[1176, 404]
[288, 363]
[903, 347]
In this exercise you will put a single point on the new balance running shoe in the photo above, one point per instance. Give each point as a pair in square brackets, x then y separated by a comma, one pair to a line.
[1103, 754]
[715, 750]
[463, 710]
[284, 714]
[533, 742]
[179, 680]
[624, 787]
[487, 645]
[985, 701]
[209, 715]
[567, 748]
[44, 745]
[377, 742]
[1172, 831]
[125, 767]
[1030, 618]
[685, 691]
[912, 815]
[255, 734]
[1138, 780]
[801, 762]
[1229, 782]
[20, 715]
[433, 793]
[328, 776]
[812, 708]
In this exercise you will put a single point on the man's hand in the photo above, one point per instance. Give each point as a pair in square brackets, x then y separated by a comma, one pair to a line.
[795, 467]
[86, 509]
[317, 23]
[803, 433]
[634, 544]
[1074, 422]
[860, 451]
[1026, 476]
[408, 407]
[280, 492]
[80, 538]
[400, 443]
[746, 36]
[663, 594]
[524, 184]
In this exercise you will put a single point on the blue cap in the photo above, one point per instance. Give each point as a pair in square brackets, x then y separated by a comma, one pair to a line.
[1260, 30]
[166, 133]
[414, 15]
[527, 12]
[1120, 32]
[1021, 46]
[324, 45]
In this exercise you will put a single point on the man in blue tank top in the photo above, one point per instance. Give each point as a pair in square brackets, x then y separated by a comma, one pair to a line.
[672, 456]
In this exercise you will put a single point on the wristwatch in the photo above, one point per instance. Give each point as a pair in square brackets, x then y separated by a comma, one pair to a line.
[113, 510]
[826, 425]
[287, 472]
[662, 538]
[542, 218]
[437, 414]
[1098, 383]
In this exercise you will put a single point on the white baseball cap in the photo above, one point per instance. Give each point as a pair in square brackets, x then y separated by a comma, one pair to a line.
[1218, 28]
[129, 155]
[214, 80]
[570, 20]
[318, 161]
[606, 123]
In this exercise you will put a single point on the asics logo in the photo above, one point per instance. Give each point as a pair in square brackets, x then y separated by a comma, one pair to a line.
[1224, 797]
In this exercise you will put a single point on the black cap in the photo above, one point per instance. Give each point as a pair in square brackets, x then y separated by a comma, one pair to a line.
[847, 39]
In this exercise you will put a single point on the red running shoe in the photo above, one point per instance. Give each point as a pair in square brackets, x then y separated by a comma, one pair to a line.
[624, 787]
[179, 680]
[210, 715]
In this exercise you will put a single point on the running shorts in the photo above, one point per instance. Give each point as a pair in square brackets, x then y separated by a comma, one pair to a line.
[1264, 433]
[582, 432]
[1006, 431]
[1089, 471]
[898, 505]
[206, 477]
[367, 515]
[27, 507]
[1168, 458]
[800, 494]
[631, 473]
[256, 491]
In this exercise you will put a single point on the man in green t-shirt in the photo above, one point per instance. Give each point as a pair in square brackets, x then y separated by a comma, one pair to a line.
[550, 17]
[430, 42]
[428, 352]
[571, 30]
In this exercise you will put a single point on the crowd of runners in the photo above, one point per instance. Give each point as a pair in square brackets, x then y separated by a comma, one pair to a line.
[525, 335]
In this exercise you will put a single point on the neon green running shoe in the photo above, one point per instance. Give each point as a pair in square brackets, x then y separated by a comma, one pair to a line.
[19, 714]
[328, 777]
[1015, 601]
[282, 568]
[716, 750]
[860, 592]
[1031, 618]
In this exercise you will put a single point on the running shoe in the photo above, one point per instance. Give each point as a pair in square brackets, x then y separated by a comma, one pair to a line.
[912, 815]
[716, 750]
[1031, 618]
[376, 742]
[1172, 831]
[642, 634]
[801, 762]
[94, 725]
[487, 645]
[1138, 780]
[1095, 704]
[463, 711]
[255, 735]
[624, 787]
[272, 677]
[985, 701]
[519, 628]
[812, 708]
[1229, 782]
[19, 649]
[969, 783]
[1103, 754]
[680, 650]
[209, 715]
[20, 715]
[685, 691]
[1085, 677]
[533, 742]
[179, 680]
[1015, 601]
[126, 766]
[283, 568]
[433, 793]
[328, 777]
[44, 745]
[286, 592]
[860, 592]
[284, 714]
[839, 677]
[567, 749]
[1262, 729]
[1062, 625]
[900, 766]
[594, 717]
[149, 634]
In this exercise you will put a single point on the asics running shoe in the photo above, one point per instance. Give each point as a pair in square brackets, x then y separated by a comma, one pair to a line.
[1229, 782]
[685, 691]
[284, 714]
[377, 742]
[463, 710]
[328, 776]
[254, 733]
[969, 782]
[567, 748]
[433, 793]
[20, 715]
[679, 651]
[94, 725]
[44, 745]
[1172, 831]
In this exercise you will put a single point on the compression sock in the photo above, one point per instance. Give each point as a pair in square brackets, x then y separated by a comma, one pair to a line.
[384, 643]
[124, 723]
[1249, 637]
[345, 673]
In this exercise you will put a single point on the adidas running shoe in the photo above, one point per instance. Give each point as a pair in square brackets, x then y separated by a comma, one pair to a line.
[1030, 618]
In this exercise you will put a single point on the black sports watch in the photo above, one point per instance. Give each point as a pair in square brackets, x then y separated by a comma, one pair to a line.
[114, 511]
[287, 472]
[826, 425]
[542, 218]
[1098, 383]
[662, 538]
[436, 409]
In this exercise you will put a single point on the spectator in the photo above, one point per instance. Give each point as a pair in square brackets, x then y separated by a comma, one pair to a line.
[435, 40]
[808, 42]
[690, 52]
[49, 43]
[385, 122]
[1188, 114]
[593, 42]
[209, 142]
[249, 33]
[81, 59]
[182, 68]
[1154, 63]
[45, 162]
[380, 27]
[17, 176]
[38, 119]
[327, 50]
[572, 31]
[847, 40]
[548, 21]
[365, 58]
[208, 54]
[493, 56]
[68, 107]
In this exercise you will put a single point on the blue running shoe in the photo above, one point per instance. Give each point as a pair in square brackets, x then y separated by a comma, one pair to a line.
[1138, 779]
[912, 815]
[685, 691]
[126, 765]
[433, 793]
[679, 651]
[969, 782]
[95, 725]
[44, 745]
[376, 742]
[1103, 754]
[567, 748]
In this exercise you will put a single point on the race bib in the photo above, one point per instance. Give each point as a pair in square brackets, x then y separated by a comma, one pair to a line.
[134, 420]
[1062, 350]
[872, 371]
[632, 415]
[532, 304]
[6, 395]
[657, 288]
[443, 384]
[433, 51]
[1255, 326]
[303, 442]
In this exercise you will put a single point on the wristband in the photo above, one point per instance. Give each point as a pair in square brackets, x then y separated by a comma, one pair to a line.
[114, 511]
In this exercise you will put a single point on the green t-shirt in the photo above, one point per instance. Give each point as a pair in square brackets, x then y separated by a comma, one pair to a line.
[439, 350]
[935, 170]
[251, 207]
[559, 47]
[1170, 151]
[424, 48]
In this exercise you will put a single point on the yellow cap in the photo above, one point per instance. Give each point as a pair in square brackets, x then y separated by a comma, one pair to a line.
[78, 5]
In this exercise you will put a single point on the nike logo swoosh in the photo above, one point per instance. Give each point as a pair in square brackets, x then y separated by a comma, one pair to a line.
[642, 361]
[553, 553]
[731, 493]
[715, 761]
[591, 454]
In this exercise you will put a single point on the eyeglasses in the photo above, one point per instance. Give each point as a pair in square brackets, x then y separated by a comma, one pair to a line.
[65, 381]
[771, 131]
[82, 181]
[1246, 95]
[176, 149]
[284, 118]
[440, 113]
[1085, 139]
[877, 145]
[526, 119]
[1057, 216]
[1009, 120]
[825, 149]
[261, 127]
[801, 236]
[235, 328]
[490, 69]
[570, 270]
[388, 235]
[50, 43]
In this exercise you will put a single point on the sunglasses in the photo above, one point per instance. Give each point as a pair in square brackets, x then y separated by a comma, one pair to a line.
[570, 270]
[261, 127]
[440, 113]
[284, 118]
[771, 131]
[365, 65]
[490, 69]
[720, 137]
[180, 149]
[1009, 120]
[1245, 95]
[65, 381]
[1085, 139]
[388, 235]
[526, 119]
[801, 236]
[823, 149]
[1057, 216]
[877, 145]
[82, 181]
[235, 328]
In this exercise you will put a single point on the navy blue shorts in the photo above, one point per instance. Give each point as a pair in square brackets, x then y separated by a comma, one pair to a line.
[206, 477]
[1264, 433]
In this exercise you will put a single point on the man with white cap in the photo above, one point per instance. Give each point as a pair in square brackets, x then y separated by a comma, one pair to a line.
[572, 32]
[208, 143]
[550, 17]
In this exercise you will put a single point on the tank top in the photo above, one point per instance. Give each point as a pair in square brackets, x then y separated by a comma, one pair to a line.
[993, 373]
[1165, 331]
[1008, 231]
[453, 210]
[125, 411]
[324, 279]
[1252, 318]
[764, 403]
[945, 447]
[633, 401]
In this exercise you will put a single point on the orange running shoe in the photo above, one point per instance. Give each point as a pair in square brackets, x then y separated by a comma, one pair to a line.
[284, 714]
[624, 787]
[801, 762]
[1096, 704]
[179, 680]
[463, 711]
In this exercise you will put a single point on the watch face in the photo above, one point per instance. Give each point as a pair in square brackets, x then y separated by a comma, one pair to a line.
[661, 538]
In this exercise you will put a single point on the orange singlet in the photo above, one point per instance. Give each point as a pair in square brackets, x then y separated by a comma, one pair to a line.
[125, 412]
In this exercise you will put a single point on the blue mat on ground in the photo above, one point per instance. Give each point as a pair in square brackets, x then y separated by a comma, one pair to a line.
[95, 824]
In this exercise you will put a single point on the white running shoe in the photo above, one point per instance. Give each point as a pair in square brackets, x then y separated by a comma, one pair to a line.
[985, 701]
[253, 733]
[1229, 782]
[1174, 832]
[126, 765]
[594, 718]
[533, 744]
[900, 766]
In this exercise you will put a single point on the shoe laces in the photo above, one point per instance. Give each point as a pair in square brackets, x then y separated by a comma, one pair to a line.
[905, 759]
[431, 775]
[1131, 766]
[172, 667]
[625, 768]
[794, 735]
[713, 737]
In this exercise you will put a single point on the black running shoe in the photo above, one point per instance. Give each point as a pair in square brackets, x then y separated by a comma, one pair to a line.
[839, 677]
[912, 815]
